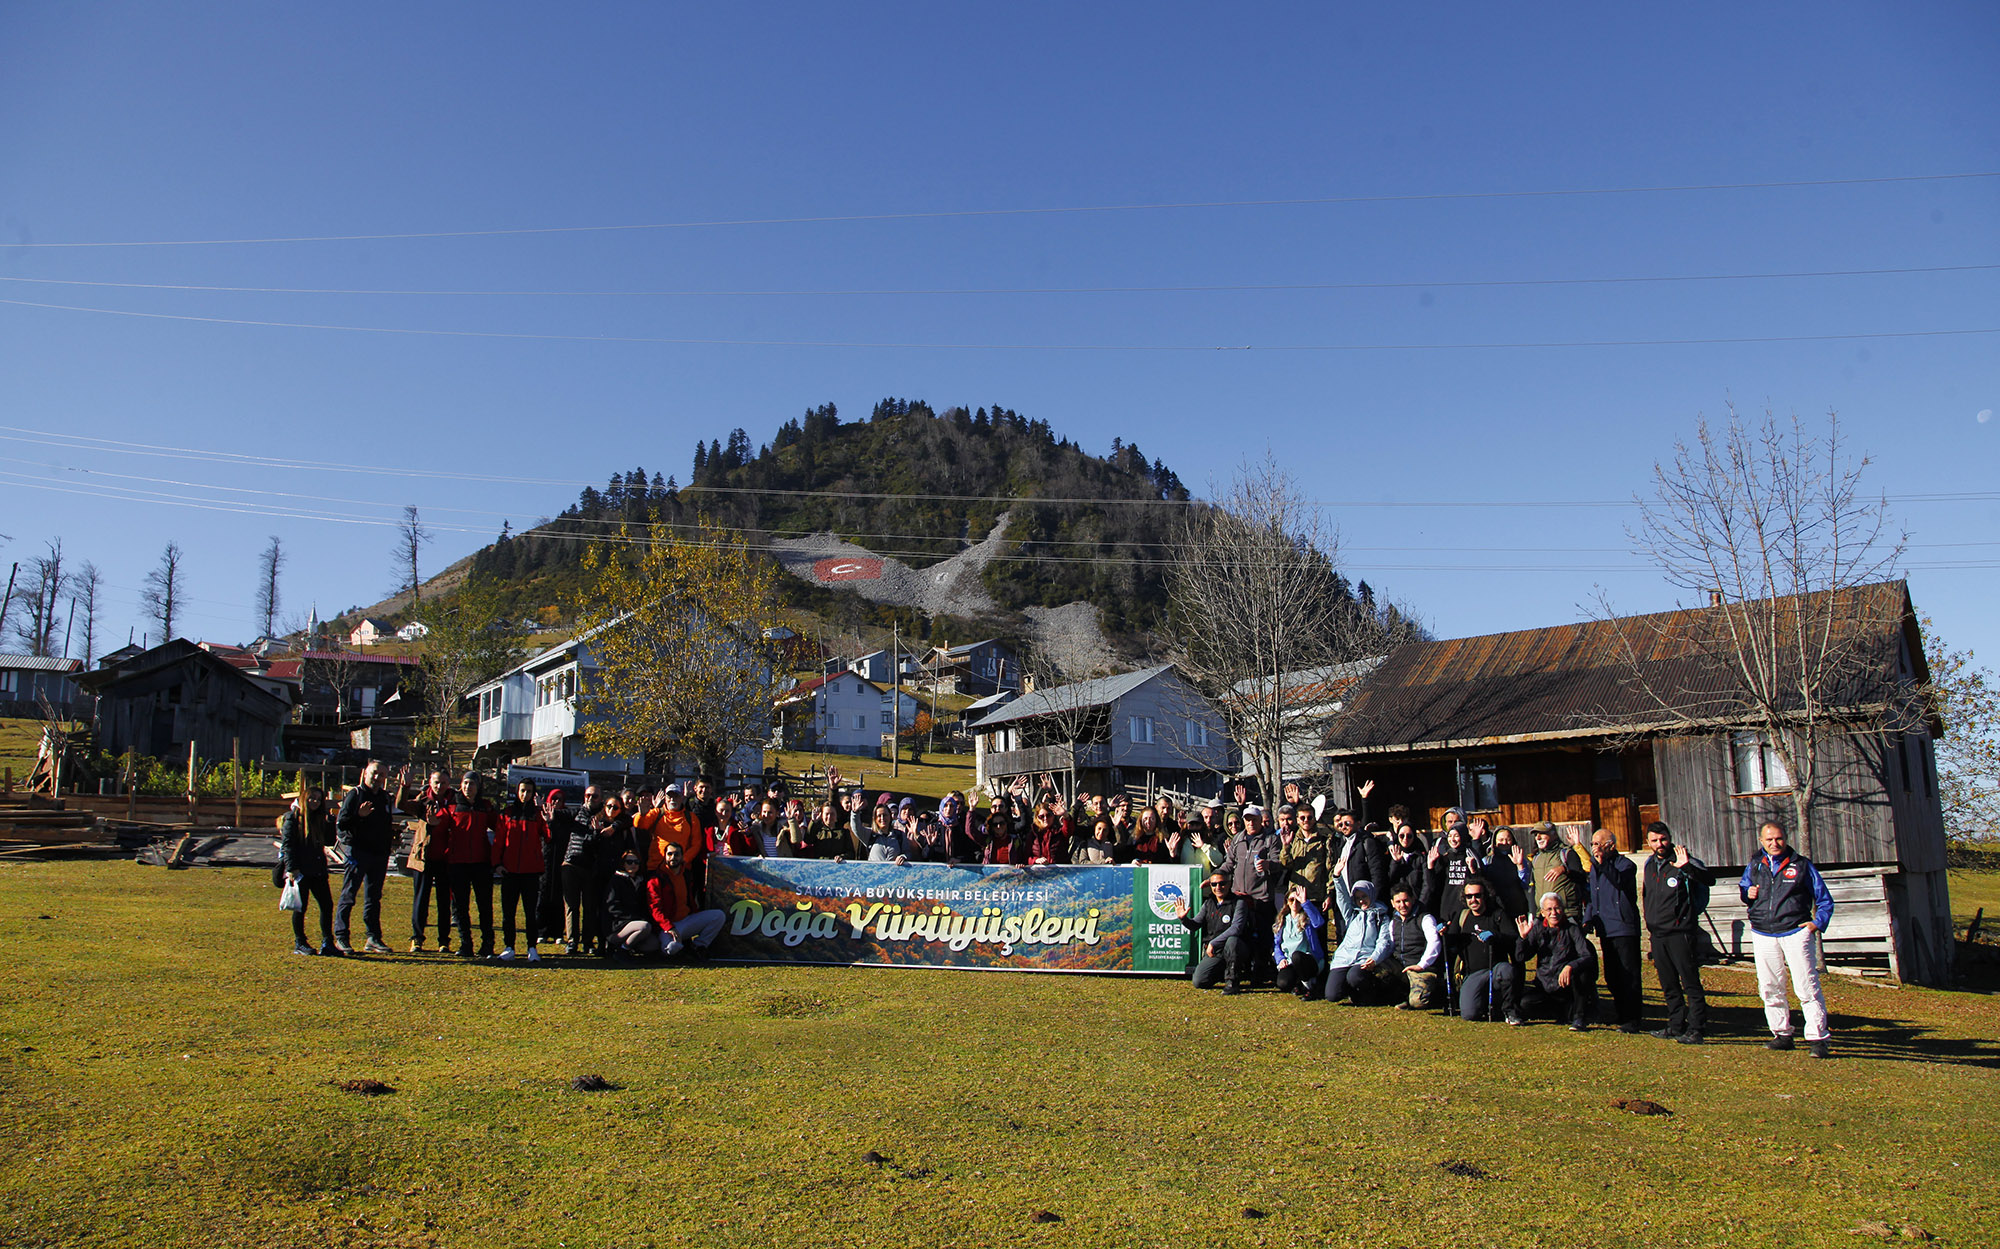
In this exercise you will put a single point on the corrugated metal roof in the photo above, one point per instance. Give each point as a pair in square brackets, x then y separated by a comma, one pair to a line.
[1075, 697]
[40, 663]
[1597, 676]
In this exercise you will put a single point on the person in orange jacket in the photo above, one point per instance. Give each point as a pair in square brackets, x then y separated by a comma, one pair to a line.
[520, 848]
[673, 825]
[472, 826]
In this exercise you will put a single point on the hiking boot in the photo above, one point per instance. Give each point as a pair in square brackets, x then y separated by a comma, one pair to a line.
[1630, 1029]
[377, 946]
[1577, 1025]
[1689, 1038]
[341, 947]
[1781, 1041]
[1231, 990]
[1822, 1048]
[300, 947]
[1665, 1034]
[465, 954]
[417, 946]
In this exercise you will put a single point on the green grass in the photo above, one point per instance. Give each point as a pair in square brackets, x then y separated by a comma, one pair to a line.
[1970, 892]
[938, 775]
[164, 1069]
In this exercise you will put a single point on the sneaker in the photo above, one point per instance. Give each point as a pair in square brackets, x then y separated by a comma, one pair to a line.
[1781, 1041]
[672, 947]
[507, 955]
[1514, 1021]
[417, 946]
[1822, 1048]
[331, 949]
[569, 947]
[1231, 990]
[1689, 1038]
[376, 946]
[340, 944]
[1577, 1025]
[534, 955]
[300, 947]
[1630, 1029]
[1665, 1034]
[465, 954]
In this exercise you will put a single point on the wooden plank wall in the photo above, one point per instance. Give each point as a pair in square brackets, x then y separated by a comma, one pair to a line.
[1854, 824]
[1861, 922]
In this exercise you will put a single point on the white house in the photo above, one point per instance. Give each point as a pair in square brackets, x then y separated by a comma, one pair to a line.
[844, 713]
[531, 710]
[412, 631]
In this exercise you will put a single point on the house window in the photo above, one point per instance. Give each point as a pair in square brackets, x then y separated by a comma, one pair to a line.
[1754, 765]
[1197, 733]
[1485, 787]
[1141, 729]
[860, 721]
[888, 719]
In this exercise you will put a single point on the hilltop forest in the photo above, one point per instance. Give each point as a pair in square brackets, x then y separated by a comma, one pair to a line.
[913, 484]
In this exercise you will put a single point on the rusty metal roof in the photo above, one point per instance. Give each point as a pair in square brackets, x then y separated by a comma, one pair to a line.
[1593, 678]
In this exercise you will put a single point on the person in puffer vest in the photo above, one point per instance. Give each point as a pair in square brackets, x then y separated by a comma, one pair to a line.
[1789, 909]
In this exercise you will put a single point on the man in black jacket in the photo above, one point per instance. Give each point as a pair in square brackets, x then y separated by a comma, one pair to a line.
[1673, 919]
[1483, 940]
[1218, 921]
[367, 835]
[1611, 911]
[1565, 965]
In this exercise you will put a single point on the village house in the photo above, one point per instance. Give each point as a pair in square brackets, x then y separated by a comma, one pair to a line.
[530, 713]
[29, 681]
[843, 713]
[1146, 729]
[1554, 724]
[157, 701]
[978, 668]
[369, 632]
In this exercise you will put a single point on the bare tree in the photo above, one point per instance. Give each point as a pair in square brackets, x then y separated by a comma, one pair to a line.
[42, 597]
[269, 564]
[410, 539]
[1257, 603]
[84, 585]
[472, 639]
[160, 600]
[1768, 525]
[1067, 721]
[1966, 697]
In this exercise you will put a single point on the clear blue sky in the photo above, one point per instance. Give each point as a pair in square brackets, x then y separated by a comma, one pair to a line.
[146, 123]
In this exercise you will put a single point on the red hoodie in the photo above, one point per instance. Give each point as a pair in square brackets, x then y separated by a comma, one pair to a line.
[471, 831]
[517, 847]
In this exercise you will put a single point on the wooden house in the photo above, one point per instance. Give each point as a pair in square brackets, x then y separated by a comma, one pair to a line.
[157, 701]
[1555, 724]
[1147, 728]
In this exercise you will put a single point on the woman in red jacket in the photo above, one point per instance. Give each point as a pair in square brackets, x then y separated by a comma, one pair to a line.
[472, 826]
[519, 850]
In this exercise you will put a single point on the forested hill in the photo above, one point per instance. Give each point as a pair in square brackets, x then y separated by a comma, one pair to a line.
[912, 483]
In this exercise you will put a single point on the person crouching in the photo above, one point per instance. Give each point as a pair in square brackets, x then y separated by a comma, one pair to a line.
[1565, 966]
[628, 912]
[669, 896]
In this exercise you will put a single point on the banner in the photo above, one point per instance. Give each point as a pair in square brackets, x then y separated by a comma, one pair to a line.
[1057, 918]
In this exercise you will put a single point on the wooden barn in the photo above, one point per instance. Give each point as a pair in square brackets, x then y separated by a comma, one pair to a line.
[1563, 724]
[159, 700]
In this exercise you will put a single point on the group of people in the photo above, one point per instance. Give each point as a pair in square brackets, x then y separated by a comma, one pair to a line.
[1323, 906]
[1395, 915]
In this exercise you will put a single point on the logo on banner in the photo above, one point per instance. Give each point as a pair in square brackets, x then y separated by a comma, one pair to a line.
[847, 569]
[1168, 899]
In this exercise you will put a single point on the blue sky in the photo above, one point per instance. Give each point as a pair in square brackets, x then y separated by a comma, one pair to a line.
[146, 124]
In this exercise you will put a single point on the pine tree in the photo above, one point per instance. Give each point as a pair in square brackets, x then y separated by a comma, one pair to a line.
[700, 460]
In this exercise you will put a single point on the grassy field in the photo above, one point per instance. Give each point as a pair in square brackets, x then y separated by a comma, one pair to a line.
[165, 1069]
[936, 776]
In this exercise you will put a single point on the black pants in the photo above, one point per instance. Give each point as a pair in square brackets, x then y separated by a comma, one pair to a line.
[364, 876]
[469, 881]
[1621, 976]
[1249, 953]
[551, 915]
[1352, 981]
[1299, 974]
[580, 905]
[1488, 994]
[1576, 1004]
[316, 888]
[1677, 958]
[433, 882]
[1208, 972]
[523, 889]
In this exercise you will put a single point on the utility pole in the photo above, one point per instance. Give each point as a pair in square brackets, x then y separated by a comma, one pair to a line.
[895, 696]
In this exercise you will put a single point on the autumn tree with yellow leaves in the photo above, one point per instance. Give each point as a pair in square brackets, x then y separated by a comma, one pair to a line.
[674, 618]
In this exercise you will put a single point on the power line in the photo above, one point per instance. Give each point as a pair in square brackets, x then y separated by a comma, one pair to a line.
[1211, 288]
[518, 335]
[949, 214]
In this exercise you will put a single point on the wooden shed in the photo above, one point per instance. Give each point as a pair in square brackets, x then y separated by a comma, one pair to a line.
[159, 700]
[1553, 724]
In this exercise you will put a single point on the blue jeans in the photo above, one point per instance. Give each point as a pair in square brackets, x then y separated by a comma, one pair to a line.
[1484, 988]
[368, 870]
